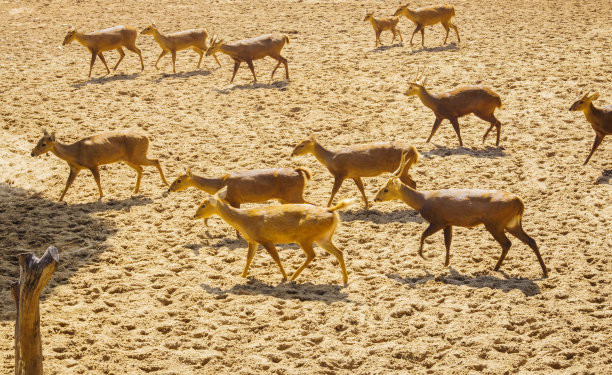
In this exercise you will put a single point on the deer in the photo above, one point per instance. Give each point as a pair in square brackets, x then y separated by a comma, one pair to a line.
[129, 146]
[105, 40]
[456, 103]
[498, 211]
[303, 224]
[194, 39]
[361, 160]
[253, 186]
[383, 24]
[599, 118]
[253, 49]
[428, 16]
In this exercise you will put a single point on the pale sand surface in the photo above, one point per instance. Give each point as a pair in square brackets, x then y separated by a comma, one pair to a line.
[143, 288]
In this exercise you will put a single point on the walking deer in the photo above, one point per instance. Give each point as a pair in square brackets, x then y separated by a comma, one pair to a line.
[428, 16]
[498, 211]
[456, 103]
[194, 39]
[89, 153]
[382, 24]
[253, 49]
[599, 118]
[303, 224]
[361, 160]
[105, 40]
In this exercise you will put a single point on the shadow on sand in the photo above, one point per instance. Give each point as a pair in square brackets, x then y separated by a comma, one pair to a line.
[191, 73]
[327, 293]
[448, 47]
[30, 223]
[488, 152]
[382, 217]
[276, 85]
[382, 48]
[507, 284]
[104, 79]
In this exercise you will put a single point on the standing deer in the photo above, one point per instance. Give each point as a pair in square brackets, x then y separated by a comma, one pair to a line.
[428, 16]
[459, 102]
[498, 211]
[600, 118]
[91, 152]
[194, 39]
[253, 49]
[106, 40]
[361, 160]
[382, 24]
[303, 224]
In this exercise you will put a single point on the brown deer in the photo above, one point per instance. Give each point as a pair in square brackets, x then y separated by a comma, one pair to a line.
[257, 185]
[382, 24]
[253, 49]
[194, 39]
[361, 160]
[428, 16]
[498, 211]
[89, 153]
[303, 224]
[600, 118]
[105, 40]
[459, 102]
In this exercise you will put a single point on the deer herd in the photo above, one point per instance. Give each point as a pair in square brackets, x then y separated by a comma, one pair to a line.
[295, 220]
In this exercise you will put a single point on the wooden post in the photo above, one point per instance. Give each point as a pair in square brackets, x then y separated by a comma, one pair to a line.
[34, 274]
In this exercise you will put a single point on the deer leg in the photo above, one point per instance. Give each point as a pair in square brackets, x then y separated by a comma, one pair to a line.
[598, 138]
[250, 254]
[378, 38]
[494, 123]
[393, 39]
[431, 229]
[93, 60]
[359, 184]
[416, 30]
[310, 255]
[121, 56]
[236, 66]
[448, 238]
[156, 163]
[338, 180]
[455, 123]
[199, 52]
[138, 169]
[274, 254]
[235, 205]
[173, 61]
[137, 51]
[500, 237]
[96, 174]
[400, 35]
[328, 246]
[435, 127]
[519, 233]
[101, 56]
[286, 67]
[250, 64]
[73, 173]
[447, 30]
[423, 36]
[277, 65]
[162, 54]
[456, 31]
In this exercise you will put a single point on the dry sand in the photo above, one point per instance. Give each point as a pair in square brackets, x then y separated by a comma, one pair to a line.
[143, 288]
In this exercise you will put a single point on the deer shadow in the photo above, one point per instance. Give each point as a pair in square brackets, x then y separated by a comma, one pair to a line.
[191, 73]
[606, 176]
[113, 204]
[104, 79]
[232, 242]
[30, 223]
[507, 284]
[447, 47]
[383, 48]
[276, 85]
[488, 152]
[327, 293]
[382, 217]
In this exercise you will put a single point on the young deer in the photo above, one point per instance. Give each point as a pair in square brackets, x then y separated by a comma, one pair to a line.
[459, 102]
[362, 160]
[382, 24]
[258, 185]
[91, 152]
[600, 118]
[106, 40]
[194, 39]
[303, 224]
[428, 16]
[253, 49]
[498, 211]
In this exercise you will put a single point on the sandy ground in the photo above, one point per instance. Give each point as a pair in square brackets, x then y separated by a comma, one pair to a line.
[143, 288]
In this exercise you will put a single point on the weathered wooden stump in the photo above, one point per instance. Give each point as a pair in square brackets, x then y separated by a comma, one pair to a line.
[34, 274]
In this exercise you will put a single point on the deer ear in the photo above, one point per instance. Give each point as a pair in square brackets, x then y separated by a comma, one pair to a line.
[188, 172]
[594, 96]
[52, 137]
[45, 132]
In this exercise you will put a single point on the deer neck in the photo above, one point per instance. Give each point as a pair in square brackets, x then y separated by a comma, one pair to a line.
[322, 154]
[373, 22]
[592, 113]
[69, 153]
[229, 49]
[83, 39]
[412, 197]
[409, 14]
[159, 37]
[233, 216]
[429, 100]
[209, 185]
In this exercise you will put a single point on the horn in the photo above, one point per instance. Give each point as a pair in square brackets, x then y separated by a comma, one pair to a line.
[401, 167]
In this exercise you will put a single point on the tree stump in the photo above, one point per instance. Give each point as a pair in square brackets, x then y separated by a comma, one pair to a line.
[34, 274]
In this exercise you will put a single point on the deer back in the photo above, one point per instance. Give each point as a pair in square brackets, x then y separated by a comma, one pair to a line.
[110, 148]
[369, 159]
[260, 185]
[467, 99]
